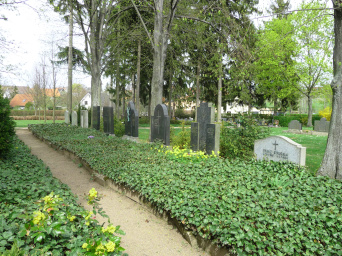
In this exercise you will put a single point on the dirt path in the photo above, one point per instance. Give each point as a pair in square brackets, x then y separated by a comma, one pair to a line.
[146, 234]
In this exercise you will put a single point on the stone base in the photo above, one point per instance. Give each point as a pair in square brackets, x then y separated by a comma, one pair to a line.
[135, 139]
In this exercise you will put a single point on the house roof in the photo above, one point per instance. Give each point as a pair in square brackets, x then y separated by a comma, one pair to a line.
[21, 100]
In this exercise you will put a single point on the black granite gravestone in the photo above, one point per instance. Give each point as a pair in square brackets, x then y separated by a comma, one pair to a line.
[108, 120]
[160, 127]
[205, 134]
[96, 117]
[131, 121]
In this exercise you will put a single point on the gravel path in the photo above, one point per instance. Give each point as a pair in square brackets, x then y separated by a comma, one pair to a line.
[146, 234]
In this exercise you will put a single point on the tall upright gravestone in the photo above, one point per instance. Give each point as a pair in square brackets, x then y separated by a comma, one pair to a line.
[96, 117]
[160, 126]
[67, 117]
[131, 121]
[108, 120]
[84, 118]
[205, 135]
[74, 118]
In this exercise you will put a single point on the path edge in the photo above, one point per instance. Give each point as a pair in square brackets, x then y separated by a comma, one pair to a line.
[194, 240]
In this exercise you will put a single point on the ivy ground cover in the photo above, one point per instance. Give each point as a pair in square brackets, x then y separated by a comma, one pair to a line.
[40, 216]
[255, 207]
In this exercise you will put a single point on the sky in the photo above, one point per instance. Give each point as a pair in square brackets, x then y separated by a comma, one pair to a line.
[32, 27]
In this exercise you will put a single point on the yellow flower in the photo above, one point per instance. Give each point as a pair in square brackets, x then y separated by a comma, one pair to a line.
[38, 216]
[84, 245]
[100, 249]
[72, 218]
[87, 223]
[110, 246]
[89, 215]
[109, 229]
[92, 193]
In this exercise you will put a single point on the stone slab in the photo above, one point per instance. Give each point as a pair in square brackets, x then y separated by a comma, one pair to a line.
[84, 119]
[96, 117]
[160, 125]
[108, 120]
[295, 125]
[74, 118]
[280, 149]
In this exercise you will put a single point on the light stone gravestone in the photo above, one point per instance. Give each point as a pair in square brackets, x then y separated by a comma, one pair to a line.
[74, 118]
[160, 127]
[84, 118]
[108, 120]
[96, 117]
[280, 149]
[321, 125]
[67, 117]
[131, 121]
[204, 133]
[295, 125]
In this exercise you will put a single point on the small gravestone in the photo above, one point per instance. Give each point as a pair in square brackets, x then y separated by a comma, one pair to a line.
[84, 118]
[96, 117]
[322, 125]
[108, 120]
[295, 125]
[160, 127]
[74, 118]
[131, 121]
[280, 149]
[205, 134]
[67, 117]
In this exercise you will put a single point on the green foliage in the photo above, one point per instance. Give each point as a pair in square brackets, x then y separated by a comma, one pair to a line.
[40, 216]
[180, 113]
[119, 127]
[182, 138]
[239, 141]
[253, 207]
[6, 127]
[303, 118]
[144, 120]
[32, 112]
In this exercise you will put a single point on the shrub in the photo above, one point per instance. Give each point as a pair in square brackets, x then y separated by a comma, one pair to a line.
[6, 126]
[182, 139]
[119, 127]
[238, 142]
[326, 113]
[144, 120]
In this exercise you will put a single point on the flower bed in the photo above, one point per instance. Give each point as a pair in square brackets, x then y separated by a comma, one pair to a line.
[257, 208]
[40, 216]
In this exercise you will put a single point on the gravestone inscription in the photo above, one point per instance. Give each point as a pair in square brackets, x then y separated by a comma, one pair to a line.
[108, 120]
[295, 125]
[160, 126]
[200, 139]
[84, 118]
[74, 118]
[67, 117]
[131, 121]
[280, 149]
[96, 117]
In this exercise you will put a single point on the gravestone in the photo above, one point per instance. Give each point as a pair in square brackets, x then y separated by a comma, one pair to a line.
[84, 118]
[131, 121]
[321, 125]
[160, 127]
[280, 149]
[205, 134]
[295, 125]
[108, 120]
[67, 117]
[74, 118]
[96, 117]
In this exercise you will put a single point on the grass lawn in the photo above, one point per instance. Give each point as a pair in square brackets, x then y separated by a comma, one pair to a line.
[25, 123]
[315, 146]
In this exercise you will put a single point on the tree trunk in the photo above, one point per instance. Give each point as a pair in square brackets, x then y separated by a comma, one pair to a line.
[332, 161]
[117, 89]
[275, 110]
[219, 91]
[137, 88]
[170, 95]
[309, 124]
[70, 59]
[198, 76]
